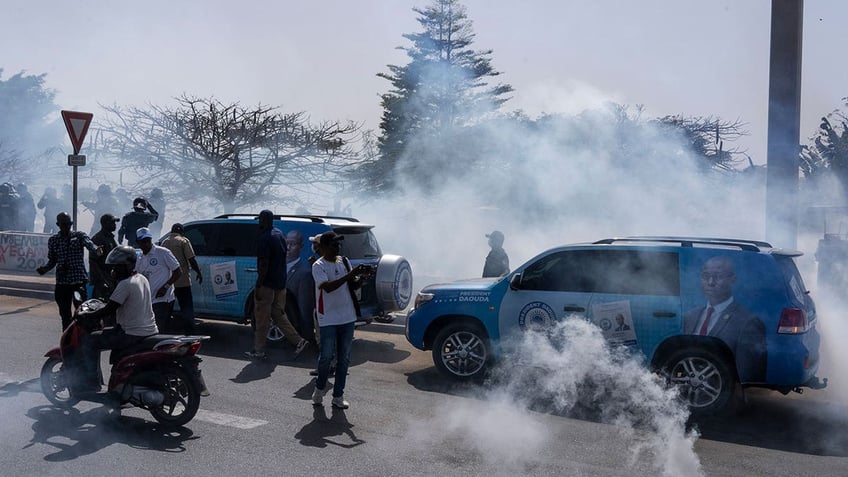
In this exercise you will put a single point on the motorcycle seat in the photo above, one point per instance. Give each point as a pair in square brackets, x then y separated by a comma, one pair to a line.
[147, 343]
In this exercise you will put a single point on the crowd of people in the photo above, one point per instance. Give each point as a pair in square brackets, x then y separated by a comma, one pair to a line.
[19, 210]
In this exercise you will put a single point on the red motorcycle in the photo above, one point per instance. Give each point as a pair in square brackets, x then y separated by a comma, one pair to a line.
[159, 374]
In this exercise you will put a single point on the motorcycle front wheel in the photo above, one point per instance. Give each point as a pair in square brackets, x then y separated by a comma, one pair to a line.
[54, 384]
[182, 398]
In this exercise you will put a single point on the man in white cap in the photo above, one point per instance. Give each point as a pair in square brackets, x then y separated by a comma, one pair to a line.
[497, 262]
[161, 269]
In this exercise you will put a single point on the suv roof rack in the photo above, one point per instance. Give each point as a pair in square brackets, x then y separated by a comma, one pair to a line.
[750, 245]
[313, 218]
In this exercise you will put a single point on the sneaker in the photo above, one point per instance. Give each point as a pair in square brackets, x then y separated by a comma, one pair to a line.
[256, 355]
[300, 347]
[340, 403]
[318, 396]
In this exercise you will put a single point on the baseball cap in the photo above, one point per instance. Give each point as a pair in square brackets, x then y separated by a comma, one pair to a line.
[143, 233]
[108, 218]
[326, 238]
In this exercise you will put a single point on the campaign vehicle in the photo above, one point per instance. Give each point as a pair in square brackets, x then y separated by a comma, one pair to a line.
[225, 247]
[713, 315]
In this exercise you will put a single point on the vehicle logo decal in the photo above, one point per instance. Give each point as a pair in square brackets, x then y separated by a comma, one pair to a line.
[536, 315]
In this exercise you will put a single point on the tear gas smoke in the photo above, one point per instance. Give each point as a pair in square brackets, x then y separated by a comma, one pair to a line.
[569, 370]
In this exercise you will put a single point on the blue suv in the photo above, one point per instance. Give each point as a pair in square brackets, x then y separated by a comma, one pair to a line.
[225, 248]
[713, 315]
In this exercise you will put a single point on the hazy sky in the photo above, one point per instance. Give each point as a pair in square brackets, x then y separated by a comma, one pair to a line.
[697, 58]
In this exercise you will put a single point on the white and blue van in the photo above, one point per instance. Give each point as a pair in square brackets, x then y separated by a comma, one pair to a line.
[225, 249]
[715, 315]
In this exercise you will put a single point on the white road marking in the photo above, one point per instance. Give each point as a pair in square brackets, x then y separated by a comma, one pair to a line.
[230, 420]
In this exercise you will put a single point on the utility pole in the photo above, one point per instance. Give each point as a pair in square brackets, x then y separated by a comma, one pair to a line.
[784, 123]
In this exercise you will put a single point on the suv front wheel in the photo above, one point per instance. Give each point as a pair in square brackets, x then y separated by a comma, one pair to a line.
[461, 351]
[706, 383]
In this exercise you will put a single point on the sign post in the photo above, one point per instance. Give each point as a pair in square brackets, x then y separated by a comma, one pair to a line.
[77, 125]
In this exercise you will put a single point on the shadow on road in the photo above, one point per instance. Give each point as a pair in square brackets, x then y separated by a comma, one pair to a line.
[320, 430]
[95, 429]
[773, 421]
[770, 420]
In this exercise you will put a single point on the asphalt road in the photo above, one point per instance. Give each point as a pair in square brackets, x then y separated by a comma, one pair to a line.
[404, 420]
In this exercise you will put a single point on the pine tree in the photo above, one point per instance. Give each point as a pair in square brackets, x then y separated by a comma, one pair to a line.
[442, 90]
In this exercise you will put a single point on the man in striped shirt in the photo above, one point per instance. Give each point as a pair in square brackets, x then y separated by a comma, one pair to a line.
[64, 251]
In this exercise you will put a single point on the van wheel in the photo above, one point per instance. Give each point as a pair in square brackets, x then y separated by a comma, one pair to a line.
[461, 351]
[394, 283]
[705, 381]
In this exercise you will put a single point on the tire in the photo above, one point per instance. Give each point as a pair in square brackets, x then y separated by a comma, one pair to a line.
[54, 384]
[394, 283]
[706, 382]
[461, 351]
[182, 398]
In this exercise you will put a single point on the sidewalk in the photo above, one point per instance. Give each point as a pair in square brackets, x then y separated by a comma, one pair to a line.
[26, 284]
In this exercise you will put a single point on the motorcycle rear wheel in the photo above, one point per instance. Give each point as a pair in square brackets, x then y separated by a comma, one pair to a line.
[182, 399]
[54, 384]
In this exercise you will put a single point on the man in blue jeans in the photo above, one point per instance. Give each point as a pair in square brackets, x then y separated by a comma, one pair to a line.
[336, 308]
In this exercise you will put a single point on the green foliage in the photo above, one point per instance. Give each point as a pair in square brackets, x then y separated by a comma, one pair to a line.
[30, 126]
[827, 157]
[443, 89]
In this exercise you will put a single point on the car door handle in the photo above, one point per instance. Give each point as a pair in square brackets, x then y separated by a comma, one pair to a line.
[251, 269]
[574, 308]
[665, 314]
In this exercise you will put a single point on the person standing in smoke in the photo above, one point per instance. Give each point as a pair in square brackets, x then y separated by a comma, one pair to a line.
[26, 209]
[497, 262]
[101, 279]
[180, 246]
[64, 251]
[162, 270]
[8, 207]
[106, 203]
[141, 215]
[52, 207]
[157, 203]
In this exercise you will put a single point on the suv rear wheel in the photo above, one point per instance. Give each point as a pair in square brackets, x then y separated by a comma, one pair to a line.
[461, 351]
[705, 380]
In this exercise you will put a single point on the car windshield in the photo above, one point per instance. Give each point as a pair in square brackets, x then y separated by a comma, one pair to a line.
[359, 243]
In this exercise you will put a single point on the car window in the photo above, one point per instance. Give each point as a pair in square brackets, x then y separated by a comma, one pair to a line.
[626, 272]
[199, 235]
[792, 276]
[236, 240]
[358, 243]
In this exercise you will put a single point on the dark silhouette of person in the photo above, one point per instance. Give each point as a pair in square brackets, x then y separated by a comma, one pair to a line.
[26, 208]
[100, 276]
[105, 203]
[156, 202]
[497, 262]
[52, 207]
[141, 215]
[9, 204]
[726, 319]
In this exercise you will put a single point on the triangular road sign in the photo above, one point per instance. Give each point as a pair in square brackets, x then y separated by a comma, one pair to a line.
[77, 125]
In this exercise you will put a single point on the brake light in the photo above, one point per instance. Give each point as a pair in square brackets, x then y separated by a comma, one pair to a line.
[793, 321]
[194, 348]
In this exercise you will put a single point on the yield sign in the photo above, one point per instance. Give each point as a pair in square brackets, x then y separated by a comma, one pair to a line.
[77, 125]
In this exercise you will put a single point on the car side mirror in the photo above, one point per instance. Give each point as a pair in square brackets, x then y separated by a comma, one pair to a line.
[515, 282]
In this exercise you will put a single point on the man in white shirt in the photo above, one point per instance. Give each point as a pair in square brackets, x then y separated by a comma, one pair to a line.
[162, 269]
[130, 304]
[334, 283]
